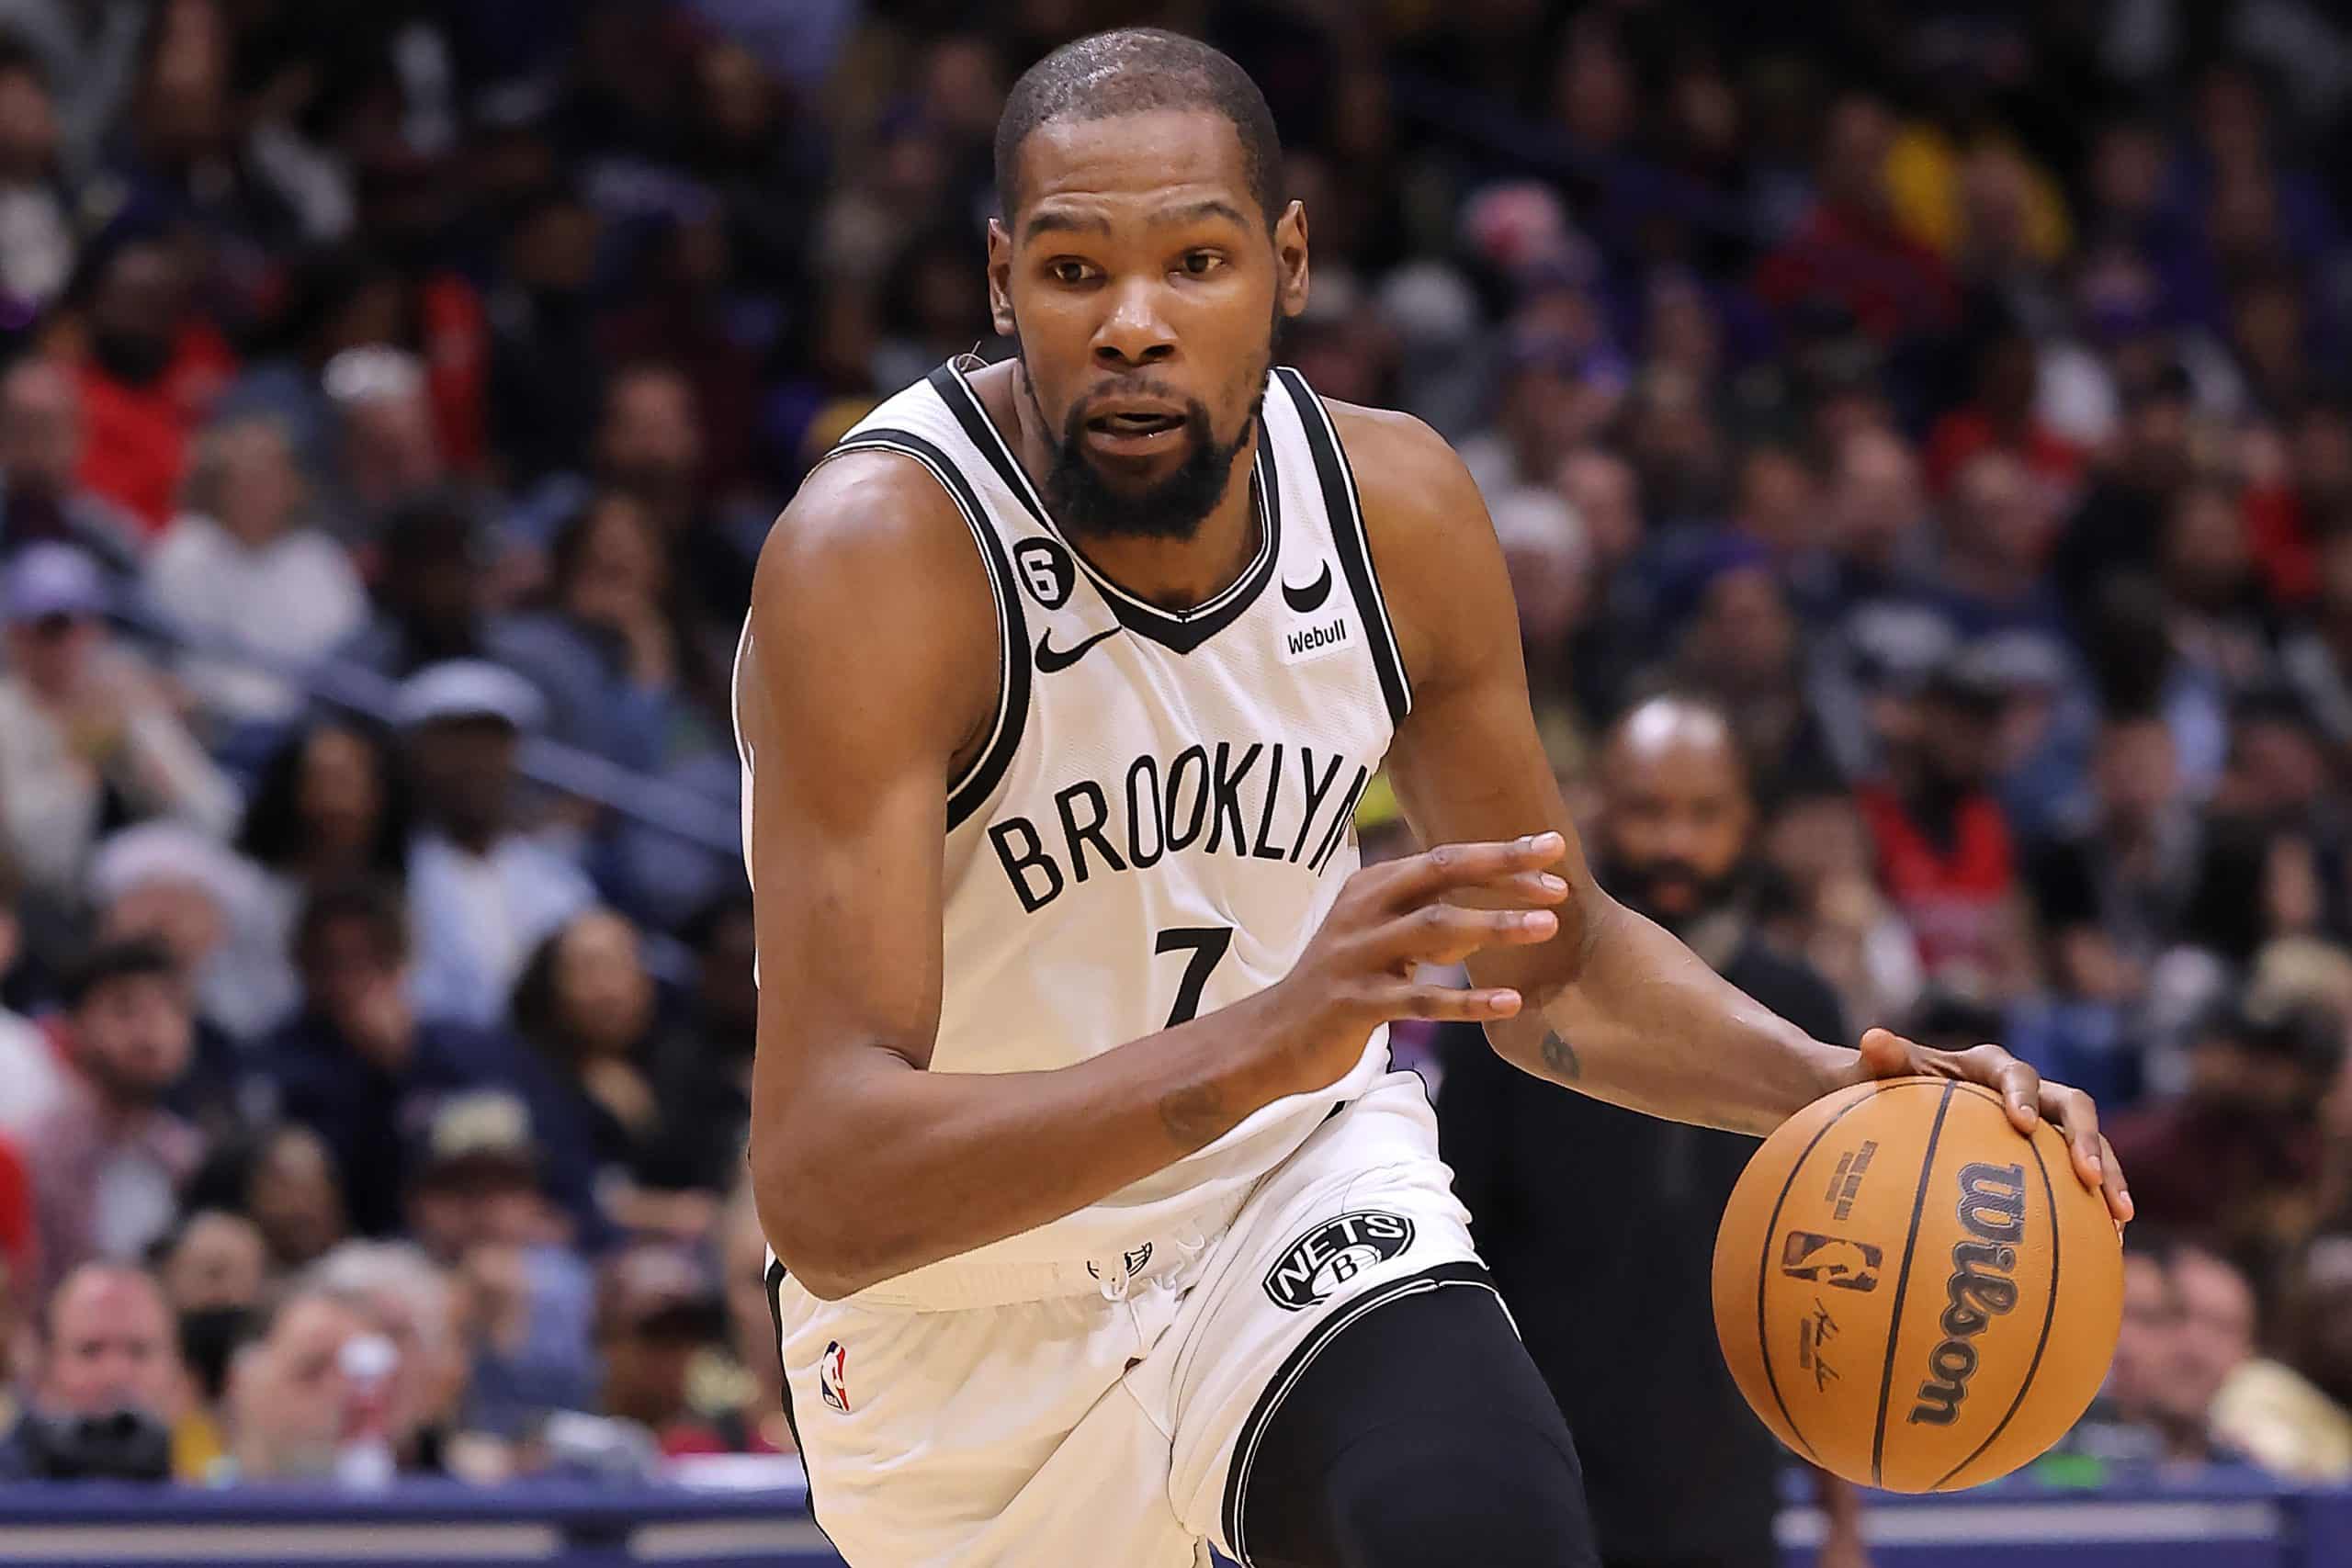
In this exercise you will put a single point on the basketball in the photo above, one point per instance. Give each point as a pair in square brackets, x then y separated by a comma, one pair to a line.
[1911, 1294]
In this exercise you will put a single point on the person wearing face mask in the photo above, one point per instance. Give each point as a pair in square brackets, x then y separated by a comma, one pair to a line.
[1612, 1298]
[149, 372]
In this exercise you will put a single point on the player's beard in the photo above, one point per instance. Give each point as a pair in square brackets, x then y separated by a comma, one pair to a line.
[1091, 505]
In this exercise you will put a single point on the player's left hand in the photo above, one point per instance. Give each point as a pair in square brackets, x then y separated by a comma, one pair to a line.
[1887, 1054]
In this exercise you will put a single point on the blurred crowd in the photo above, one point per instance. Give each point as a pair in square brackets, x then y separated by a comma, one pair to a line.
[392, 403]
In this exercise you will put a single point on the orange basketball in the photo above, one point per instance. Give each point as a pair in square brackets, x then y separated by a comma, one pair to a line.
[1911, 1294]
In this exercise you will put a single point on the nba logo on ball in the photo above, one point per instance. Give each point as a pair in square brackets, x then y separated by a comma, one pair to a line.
[833, 1376]
[1930, 1317]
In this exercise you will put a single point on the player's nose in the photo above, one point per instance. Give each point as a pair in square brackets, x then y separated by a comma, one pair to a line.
[1134, 333]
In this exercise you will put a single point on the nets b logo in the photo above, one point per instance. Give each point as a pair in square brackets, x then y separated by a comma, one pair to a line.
[833, 1376]
[1830, 1260]
[1334, 1252]
[1047, 569]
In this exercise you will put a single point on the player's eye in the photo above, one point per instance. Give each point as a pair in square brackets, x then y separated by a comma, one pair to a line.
[1067, 271]
[1200, 264]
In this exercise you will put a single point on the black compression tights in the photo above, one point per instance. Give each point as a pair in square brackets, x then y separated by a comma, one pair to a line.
[1419, 1435]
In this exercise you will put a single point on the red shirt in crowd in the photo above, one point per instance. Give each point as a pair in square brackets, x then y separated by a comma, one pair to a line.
[135, 439]
[1953, 897]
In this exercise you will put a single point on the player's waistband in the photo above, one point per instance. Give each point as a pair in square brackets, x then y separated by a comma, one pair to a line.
[1166, 1248]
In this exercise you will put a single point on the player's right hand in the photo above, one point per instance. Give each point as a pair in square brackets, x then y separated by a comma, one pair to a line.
[1435, 908]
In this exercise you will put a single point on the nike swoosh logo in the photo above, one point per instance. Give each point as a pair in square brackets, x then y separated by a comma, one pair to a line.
[1050, 659]
[1311, 596]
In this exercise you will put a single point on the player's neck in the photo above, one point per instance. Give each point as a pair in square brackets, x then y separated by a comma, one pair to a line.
[1175, 574]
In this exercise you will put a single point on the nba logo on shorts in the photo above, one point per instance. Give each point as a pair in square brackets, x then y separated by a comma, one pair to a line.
[833, 1376]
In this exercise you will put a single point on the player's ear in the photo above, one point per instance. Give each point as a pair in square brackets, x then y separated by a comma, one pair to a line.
[1290, 260]
[1000, 277]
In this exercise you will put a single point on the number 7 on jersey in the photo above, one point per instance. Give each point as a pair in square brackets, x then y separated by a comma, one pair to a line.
[1206, 945]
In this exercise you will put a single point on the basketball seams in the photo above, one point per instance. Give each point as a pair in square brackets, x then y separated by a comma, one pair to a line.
[2049, 1316]
[1771, 1228]
[1902, 1285]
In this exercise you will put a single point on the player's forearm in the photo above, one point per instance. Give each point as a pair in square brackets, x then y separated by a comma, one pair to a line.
[882, 1167]
[1645, 1023]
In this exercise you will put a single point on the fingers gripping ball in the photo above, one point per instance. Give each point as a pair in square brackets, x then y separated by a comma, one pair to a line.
[1910, 1293]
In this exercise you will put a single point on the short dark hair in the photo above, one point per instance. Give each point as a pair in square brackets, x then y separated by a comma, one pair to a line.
[360, 901]
[112, 961]
[1138, 71]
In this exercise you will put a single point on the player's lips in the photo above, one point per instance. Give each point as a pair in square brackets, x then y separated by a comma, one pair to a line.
[1132, 427]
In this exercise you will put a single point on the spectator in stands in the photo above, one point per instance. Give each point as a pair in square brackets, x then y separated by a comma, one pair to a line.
[2317, 1337]
[362, 1067]
[1737, 643]
[244, 541]
[34, 1076]
[613, 610]
[110, 1161]
[85, 735]
[1614, 640]
[110, 1397]
[329, 807]
[481, 893]
[700, 1069]
[289, 1393]
[1849, 249]
[152, 372]
[293, 1188]
[657, 1309]
[1655, 1414]
[2237, 1154]
[546, 370]
[1942, 841]
[213, 1272]
[211, 908]
[2146, 1418]
[37, 230]
[475, 1202]
[651, 445]
[586, 1005]
[387, 446]
[2259, 1407]
[412, 1300]
[41, 500]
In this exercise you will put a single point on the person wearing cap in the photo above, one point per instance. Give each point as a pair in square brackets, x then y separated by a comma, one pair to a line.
[481, 892]
[85, 734]
[1944, 846]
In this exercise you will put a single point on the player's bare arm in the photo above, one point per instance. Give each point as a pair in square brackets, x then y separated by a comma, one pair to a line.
[1616, 1006]
[869, 678]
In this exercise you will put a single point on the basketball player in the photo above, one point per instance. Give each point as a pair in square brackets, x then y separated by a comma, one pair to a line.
[1100, 1228]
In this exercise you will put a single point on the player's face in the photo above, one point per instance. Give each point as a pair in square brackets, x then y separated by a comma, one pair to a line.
[1140, 281]
[1674, 826]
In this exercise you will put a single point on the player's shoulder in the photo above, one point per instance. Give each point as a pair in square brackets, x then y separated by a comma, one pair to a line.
[1400, 460]
[870, 579]
[1429, 533]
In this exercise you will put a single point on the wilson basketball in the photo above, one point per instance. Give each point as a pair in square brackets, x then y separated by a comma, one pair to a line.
[1910, 1293]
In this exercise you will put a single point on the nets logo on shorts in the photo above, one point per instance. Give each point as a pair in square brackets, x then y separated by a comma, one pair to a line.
[833, 1376]
[1314, 1267]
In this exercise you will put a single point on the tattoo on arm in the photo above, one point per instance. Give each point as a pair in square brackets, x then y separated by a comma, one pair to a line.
[1561, 1056]
[1192, 1116]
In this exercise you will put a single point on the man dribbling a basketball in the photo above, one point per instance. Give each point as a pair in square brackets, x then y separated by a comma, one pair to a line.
[1100, 1228]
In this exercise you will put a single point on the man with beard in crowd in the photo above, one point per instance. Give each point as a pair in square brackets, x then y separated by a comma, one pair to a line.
[1679, 1473]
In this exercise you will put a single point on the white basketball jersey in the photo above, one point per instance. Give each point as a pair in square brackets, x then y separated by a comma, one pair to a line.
[1163, 813]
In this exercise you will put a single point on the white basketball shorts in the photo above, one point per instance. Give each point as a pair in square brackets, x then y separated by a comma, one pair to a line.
[1101, 1427]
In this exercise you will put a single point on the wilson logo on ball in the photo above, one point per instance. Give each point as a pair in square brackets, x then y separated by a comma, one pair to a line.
[1992, 1209]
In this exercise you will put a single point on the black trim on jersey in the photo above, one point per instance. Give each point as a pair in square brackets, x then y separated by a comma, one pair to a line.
[1340, 502]
[1182, 630]
[776, 1316]
[972, 791]
[1294, 1365]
